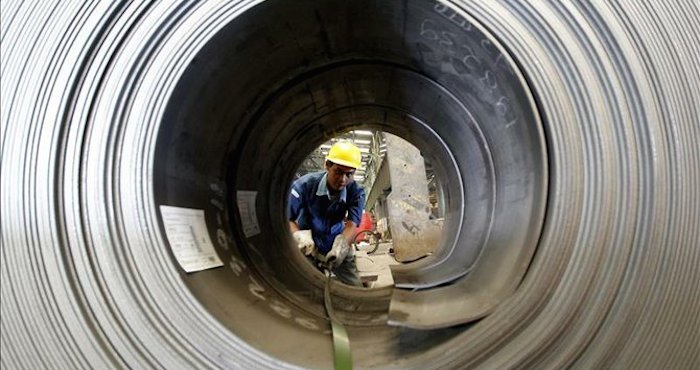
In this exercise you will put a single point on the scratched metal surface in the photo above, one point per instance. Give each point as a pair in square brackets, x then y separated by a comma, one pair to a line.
[110, 109]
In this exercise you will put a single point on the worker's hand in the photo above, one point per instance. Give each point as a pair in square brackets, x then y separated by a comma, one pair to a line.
[304, 241]
[338, 252]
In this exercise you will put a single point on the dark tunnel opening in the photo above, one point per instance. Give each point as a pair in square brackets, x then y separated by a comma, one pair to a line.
[283, 78]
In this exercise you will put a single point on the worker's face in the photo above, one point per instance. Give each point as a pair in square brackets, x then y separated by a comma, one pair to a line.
[339, 176]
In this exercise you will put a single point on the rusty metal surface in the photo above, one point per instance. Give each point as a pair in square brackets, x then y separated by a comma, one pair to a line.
[412, 232]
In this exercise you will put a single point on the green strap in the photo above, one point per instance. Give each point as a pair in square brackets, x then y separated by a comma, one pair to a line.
[341, 343]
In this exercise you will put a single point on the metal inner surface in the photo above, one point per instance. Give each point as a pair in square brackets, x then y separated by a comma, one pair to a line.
[284, 77]
[110, 109]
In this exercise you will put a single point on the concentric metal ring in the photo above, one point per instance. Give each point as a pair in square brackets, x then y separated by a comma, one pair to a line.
[88, 280]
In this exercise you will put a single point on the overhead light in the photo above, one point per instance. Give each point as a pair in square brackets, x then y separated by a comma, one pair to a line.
[363, 132]
[364, 150]
[362, 141]
[328, 146]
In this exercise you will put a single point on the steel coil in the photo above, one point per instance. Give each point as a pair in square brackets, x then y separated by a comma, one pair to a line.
[112, 109]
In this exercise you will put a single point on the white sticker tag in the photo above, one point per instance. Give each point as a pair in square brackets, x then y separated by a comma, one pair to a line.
[246, 207]
[187, 233]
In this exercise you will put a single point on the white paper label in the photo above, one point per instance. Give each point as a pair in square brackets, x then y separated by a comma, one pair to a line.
[246, 207]
[187, 233]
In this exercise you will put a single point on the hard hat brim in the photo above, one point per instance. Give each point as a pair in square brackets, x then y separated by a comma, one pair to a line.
[345, 163]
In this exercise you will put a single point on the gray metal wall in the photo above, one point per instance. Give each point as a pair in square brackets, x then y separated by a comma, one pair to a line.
[110, 109]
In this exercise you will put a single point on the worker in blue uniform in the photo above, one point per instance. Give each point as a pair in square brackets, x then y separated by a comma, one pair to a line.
[325, 208]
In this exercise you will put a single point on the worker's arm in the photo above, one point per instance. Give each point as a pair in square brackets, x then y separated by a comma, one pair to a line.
[354, 215]
[342, 243]
[349, 231]
[293, 227]
[294, 207]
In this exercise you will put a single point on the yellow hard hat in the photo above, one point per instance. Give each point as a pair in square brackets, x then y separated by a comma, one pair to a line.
[345, 154]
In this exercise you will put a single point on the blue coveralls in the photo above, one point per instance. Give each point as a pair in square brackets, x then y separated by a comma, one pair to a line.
[312, 208]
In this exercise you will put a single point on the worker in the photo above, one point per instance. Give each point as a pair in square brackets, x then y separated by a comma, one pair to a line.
[325, 208]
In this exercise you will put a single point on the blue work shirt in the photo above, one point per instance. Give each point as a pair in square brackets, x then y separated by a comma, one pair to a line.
[312, 208]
